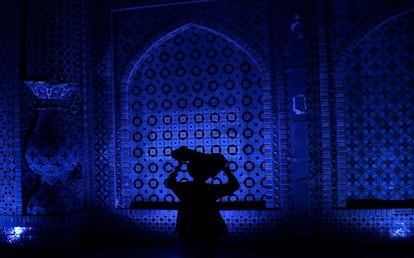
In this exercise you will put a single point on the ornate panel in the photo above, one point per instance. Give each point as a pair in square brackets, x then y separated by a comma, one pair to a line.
[53, 53]
[10, 178]
[194, 86]
[199, 89]
[353, 80]
[378, 114]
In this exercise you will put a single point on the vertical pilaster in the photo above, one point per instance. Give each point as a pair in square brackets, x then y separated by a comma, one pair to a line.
[296, 71]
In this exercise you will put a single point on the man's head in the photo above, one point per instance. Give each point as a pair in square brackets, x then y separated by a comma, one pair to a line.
[200, 166]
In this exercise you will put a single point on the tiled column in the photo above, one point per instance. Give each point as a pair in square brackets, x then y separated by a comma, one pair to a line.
[296, 69]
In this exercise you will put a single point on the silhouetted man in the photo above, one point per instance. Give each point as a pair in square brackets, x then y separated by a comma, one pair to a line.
[199, 222]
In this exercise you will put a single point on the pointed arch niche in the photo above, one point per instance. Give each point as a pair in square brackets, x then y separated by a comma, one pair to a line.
[199, 88]
[374, 118]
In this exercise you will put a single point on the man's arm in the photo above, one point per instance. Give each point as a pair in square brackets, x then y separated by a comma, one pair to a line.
[232, 183]
[172, 178]
[227, 188]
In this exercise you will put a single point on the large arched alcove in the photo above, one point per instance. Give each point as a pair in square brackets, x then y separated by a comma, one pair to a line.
[196, 87]
[375, 118]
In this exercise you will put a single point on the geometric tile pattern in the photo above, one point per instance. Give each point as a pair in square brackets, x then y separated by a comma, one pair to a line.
[160, 225]
[378, 115]
[155, 68]
[10, 179]
[367, 52]
[201, 90]
[54, 55]
[391, 157]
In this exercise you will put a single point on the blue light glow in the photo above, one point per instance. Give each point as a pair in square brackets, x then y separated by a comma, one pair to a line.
[14, 235]
[400, 229]
[207, 96]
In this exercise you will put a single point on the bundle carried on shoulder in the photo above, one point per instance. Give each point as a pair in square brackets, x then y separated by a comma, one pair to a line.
[214, 161]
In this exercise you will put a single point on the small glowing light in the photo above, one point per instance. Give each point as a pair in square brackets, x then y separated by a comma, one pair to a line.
[400, 230]
[15, 234]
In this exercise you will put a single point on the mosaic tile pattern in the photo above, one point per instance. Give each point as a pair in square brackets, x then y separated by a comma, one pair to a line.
[53, 55]
[339, 88]
[200, 90]
[378, 116]
[190, 87]
[388, 124]
[10, 178]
